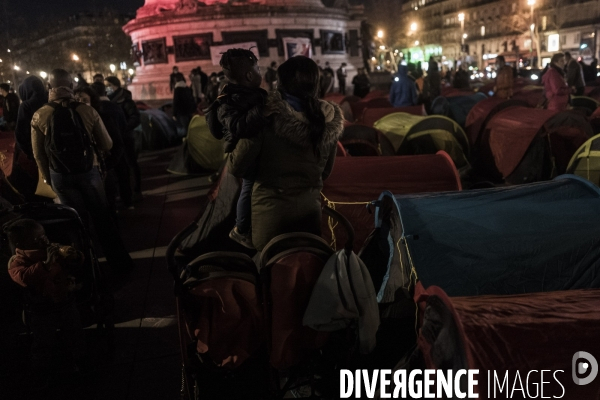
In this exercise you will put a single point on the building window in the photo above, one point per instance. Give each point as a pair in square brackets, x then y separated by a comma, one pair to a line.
[553, 41]
[482, 30]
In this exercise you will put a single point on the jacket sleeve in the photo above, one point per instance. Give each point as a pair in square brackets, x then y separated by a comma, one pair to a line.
[27, 275]
[330, 161]
[132, 114]
[212, 120]
[23, 131]
[39, 149]
[244, 156]
[101, 136]
[241, 123]
[414, 96]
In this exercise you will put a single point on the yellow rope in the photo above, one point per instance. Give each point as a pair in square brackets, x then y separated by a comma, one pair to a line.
[331, 222]
[413, 273]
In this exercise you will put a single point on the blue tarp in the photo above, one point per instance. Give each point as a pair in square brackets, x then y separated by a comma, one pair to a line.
[156, 130]
[522, 239]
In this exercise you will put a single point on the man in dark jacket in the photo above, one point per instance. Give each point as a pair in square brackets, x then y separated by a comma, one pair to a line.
[10, 106]
[123, 98]
[341, 75]
[574, 75]
[184, 104]
[362, 84]
[173, 78]
[404, 91]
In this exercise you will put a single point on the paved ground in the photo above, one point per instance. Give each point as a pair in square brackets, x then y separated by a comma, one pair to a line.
[146, 360]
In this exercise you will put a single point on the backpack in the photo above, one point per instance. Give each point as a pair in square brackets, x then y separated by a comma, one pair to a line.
[68, 144]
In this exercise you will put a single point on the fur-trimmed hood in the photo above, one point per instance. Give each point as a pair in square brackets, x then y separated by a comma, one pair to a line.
[295, 127]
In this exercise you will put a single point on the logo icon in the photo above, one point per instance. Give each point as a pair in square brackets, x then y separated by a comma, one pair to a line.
[581, 368]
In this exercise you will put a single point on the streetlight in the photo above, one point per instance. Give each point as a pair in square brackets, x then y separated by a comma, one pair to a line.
[131, 71]
[16, 68]
[43, 75]
[413, 27]
[75, 57]
[531, 3]
[113, 68]
[465, 36]
[380, 34]
[416, 42]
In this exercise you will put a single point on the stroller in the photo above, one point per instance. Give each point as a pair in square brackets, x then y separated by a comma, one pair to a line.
[240, 320]
[63, 225]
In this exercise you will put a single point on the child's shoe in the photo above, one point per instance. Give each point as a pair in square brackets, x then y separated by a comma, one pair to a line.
[244, 240]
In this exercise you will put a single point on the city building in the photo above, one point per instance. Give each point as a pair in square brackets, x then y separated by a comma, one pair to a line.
[477, 31]
[166, 33]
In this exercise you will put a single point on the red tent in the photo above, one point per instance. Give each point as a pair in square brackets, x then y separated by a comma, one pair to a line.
[372, 115]
[376, 94]
[335, 97]
[527, 332]
[513, 131]
[359, 107]
[482, 112]
[360, 180]
[532, 95]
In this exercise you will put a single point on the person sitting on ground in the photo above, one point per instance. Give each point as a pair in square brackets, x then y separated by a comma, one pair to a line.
[504, 79]
[238, 113]
[556, 89]
[404, 91]
[291, 156]
[574, 75]
[45, 271]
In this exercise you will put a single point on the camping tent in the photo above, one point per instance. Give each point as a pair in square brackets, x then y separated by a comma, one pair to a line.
[529, 333]
[200, 152]
[412, 134]
[372, 115]
[586, 161]
[587, 104]
[533, 95]
[522, 239]
[356, 181]
[360, 140]
[156, 130]
[482, 112]
[529, 145]
[456, 107]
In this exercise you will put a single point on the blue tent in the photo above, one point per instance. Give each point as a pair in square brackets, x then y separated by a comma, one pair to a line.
[530, 238]
[456, 107]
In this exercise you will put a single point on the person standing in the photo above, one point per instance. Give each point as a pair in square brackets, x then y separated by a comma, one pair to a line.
[212, 89]
[75, 174]
[341, 75]
[556, 89]
[123, 98]
[574, 74]
[184, 104]
[504, 79]
[271, 76]
[196, 85]
[432, 84]
[362, 84]
[203, 80]
[403, 92]
[174, 76]
[10, 106]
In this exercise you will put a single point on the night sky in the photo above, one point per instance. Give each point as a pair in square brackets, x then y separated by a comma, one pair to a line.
[33, 10]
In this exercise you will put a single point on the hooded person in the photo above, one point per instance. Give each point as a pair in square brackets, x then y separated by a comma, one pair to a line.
[404, 91]
[33, 96]
[291, 155]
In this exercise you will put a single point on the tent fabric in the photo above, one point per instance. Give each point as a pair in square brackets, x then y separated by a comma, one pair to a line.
[372, 115]
[362, 140]
[377, 94]
[456, 108]
[586, 103]
[510, 333]
[358, 180]
[359, 107]
[482, 112]
[586, 161]
[156, 131]
[533, 95]
[201, 152]
[513, 130]
[521, 239]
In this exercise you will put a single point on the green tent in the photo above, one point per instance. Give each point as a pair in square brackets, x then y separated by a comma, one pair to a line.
[586, 161]
[415, 134]
[200, 152]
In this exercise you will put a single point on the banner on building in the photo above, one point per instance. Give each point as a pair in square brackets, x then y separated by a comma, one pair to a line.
[216, 51]
[297, 47]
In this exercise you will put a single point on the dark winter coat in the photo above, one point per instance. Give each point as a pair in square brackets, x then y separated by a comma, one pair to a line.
[184, 103]
[237, 113]
[362, 85]
[33, 95]
[10, 107]
[404, 90]
[116, 125]
[289, 175]
[574, 74]
[124, 99]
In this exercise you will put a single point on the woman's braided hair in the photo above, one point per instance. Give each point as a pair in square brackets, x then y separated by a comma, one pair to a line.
[236, 63]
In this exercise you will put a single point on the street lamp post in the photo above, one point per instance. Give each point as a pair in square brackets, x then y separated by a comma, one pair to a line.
[531, 4]
[461, 18]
